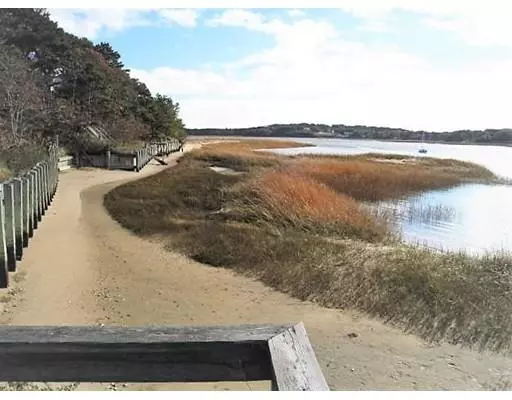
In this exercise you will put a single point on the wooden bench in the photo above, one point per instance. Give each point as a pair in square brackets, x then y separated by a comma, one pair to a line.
[280, 353]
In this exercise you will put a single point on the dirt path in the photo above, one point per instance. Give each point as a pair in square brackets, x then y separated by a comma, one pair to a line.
[83, 268]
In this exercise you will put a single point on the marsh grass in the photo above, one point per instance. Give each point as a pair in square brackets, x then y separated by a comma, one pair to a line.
[241, 155]
[366, 179]
[317, 242]
[412, 211]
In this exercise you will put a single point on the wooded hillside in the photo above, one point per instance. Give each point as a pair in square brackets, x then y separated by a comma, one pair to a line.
[52, 82]
[488, 136]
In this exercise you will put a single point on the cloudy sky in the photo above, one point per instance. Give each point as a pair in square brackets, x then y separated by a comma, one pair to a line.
[417, 64]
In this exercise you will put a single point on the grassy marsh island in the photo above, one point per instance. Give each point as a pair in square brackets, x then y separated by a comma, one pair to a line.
[299, 225]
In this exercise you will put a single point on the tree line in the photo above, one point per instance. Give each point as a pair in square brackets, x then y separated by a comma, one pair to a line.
[52, 82]
[488, 136]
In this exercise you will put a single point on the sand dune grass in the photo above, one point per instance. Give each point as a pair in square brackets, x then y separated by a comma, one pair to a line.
[297, 225]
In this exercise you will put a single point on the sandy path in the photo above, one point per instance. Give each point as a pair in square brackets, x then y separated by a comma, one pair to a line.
[83, 268]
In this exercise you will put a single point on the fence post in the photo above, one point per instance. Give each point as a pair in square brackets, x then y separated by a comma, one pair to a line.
[107, 155]
[10, 239]
[36, 197]
[53, 164]
[37, 190]
[41, 190]
[48, 183]
[56, 174]
[18, 217]
[26, 209]
[44, 187]
[4, 274]
[32, 199]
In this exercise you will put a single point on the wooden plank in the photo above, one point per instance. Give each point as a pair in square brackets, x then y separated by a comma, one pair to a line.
[18, 217]
[44, 335]
[294, 363]
[9, 225]
[4, 274]
[116, 354]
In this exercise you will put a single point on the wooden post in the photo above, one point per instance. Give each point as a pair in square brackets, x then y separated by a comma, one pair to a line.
[32, 222]
[48, 184]
[44, 188]
[34, 202]
[107, 156]
[37, 199]
[26, 209]
[55, 175]
[10, 238]
[18, 217]
[4, 274]
[41, 191]
[294, 363]
[50, 178]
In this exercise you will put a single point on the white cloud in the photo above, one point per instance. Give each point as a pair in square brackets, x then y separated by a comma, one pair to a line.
[237, 18]
[314, 74]
[184, 17]
[477, 22]
[296, 13]
[89, 22]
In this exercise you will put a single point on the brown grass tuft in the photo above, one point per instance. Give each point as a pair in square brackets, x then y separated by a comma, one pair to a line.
[286, 198]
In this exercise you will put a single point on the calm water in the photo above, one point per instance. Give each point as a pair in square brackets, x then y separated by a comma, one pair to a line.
[473, 217]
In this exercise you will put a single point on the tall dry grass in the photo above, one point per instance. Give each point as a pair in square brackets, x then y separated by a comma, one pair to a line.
[288, 199]
[367, 179]
[241, 155]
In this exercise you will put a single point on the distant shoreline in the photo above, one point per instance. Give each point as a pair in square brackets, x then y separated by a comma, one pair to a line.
[231, 137]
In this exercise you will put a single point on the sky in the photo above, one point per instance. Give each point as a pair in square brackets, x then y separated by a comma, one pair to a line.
[414, 64]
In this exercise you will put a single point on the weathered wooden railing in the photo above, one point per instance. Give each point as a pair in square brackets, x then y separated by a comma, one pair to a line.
[23, 201]
[281, 354]
[143, 156]
[132, 160]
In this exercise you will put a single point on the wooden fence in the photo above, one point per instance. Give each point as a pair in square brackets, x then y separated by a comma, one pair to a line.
[66, 162]
[132, 161]
[24, 199]
[23, 202]
[281, 354]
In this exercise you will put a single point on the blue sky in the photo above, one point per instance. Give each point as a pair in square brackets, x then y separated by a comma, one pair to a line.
[405, 63]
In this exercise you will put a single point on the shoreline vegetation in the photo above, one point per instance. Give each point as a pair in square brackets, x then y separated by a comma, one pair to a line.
[298, 224]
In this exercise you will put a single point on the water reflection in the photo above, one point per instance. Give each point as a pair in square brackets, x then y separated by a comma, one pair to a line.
[474, 217]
